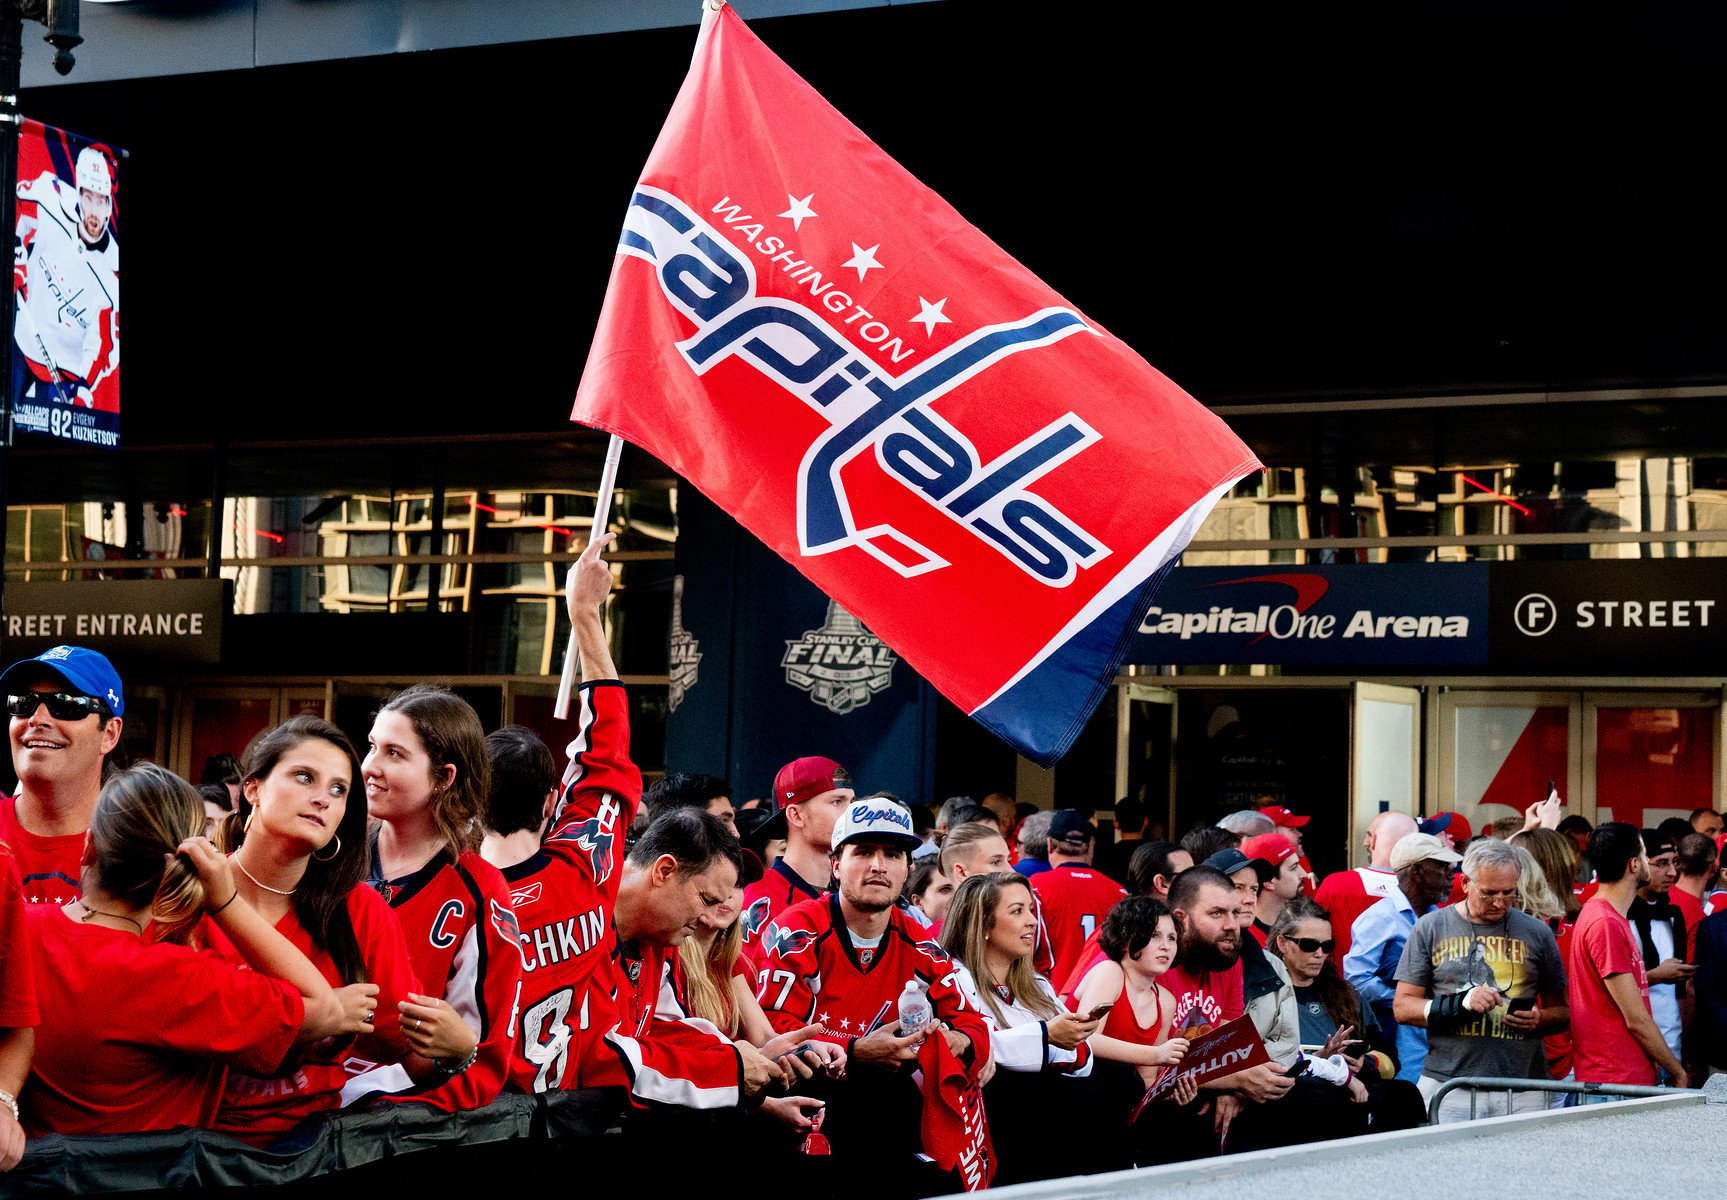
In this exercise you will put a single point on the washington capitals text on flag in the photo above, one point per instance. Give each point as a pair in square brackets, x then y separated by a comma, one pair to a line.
[65, 376]
[983, 476]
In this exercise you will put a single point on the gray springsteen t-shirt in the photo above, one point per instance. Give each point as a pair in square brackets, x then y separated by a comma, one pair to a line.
[1447, 952]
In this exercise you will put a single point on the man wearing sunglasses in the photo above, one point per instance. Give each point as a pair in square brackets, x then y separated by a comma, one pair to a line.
[1486, 981]
[66, 708]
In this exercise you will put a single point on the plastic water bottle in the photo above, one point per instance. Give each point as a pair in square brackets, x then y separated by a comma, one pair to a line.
[915, 1013]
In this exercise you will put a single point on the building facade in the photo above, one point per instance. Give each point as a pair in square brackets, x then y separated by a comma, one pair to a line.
[1456, 293]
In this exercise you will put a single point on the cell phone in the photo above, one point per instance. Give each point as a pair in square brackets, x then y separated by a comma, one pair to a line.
[1523, 1004]
[1098, 1013]
[1298, 1070]
[796, 1051]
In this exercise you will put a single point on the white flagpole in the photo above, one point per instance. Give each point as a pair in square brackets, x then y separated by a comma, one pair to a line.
[609, 476]
[602, 514]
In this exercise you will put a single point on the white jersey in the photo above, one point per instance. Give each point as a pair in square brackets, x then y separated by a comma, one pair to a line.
[1020, 1040]
[66, 315]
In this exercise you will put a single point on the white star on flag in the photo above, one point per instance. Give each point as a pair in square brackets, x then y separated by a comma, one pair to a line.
[931, 315]
[800, 209]
[863, 260]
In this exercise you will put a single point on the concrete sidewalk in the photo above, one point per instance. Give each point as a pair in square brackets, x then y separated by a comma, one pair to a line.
[1602, 1152]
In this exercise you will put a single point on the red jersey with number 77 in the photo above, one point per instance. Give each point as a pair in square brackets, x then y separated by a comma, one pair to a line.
[812, 973]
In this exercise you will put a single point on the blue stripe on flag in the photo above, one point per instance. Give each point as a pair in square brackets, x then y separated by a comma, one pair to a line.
[1044, 712]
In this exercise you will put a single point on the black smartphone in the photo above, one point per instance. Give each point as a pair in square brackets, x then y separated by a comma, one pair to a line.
[1523, 1004]
[796, 1051]
[1298, 1070]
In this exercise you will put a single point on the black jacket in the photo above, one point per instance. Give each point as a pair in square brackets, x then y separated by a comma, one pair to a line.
[1643, 915]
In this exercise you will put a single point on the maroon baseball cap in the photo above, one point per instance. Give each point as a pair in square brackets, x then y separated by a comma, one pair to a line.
[799, 780]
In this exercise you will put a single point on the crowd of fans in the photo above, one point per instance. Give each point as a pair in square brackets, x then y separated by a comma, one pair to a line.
[830, 979]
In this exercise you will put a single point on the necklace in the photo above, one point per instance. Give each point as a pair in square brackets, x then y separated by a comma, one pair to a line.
[93, 912]
[254, 879]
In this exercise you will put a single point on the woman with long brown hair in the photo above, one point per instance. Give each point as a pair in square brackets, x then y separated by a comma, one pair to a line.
[298, 845]
[991, 932]
[427, 775]
[139, 1028]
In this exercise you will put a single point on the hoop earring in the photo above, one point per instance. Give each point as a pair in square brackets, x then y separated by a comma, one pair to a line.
[333, 853]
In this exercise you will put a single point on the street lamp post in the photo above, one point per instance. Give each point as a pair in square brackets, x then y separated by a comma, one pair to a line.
[61, 19]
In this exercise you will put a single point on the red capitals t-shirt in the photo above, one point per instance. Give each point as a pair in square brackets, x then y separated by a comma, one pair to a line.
[49, 867]
[139, 1035]
[257, 1108]
[1074, 900]
[1204, 999]
[1603, 1050]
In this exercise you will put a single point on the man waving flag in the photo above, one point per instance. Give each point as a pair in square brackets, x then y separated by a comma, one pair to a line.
[932, 435]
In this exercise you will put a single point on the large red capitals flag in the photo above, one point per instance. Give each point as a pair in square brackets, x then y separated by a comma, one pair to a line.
[937, 439]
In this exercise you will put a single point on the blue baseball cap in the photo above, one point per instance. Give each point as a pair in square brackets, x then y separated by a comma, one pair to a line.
[82, 670]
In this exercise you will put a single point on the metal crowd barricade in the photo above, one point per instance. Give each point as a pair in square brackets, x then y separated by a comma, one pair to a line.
[1490, 1083]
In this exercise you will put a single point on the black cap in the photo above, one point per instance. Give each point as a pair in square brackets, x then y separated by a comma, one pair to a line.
[1656, 843]
[1232, 860]
[1071, 826]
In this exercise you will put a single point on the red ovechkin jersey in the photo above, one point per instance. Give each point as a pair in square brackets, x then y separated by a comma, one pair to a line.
[811, 973]
[778, 889]
[464, 945]
[574, 1031]
[1074, 900]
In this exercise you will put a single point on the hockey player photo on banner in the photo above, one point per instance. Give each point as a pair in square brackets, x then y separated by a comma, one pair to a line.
[66, 275]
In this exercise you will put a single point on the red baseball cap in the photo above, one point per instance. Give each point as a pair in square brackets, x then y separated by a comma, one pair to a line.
[1282, 817]
[1270, 848]
[799, 780]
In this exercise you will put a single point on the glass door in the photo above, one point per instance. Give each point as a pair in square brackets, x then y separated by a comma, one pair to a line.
[1145, 751]
[1384, 757]
[1498, 752]
[1650, 755]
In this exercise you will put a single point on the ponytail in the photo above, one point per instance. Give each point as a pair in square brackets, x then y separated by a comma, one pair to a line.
[141, 817]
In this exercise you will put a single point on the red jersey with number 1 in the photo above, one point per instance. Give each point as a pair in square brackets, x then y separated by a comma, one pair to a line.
[1074, 900]
[575, 1032]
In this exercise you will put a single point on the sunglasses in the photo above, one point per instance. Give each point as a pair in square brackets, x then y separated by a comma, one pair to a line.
[62, 706]
[1309, 945]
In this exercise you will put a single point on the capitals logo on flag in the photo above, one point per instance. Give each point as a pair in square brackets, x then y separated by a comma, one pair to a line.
[986, 478]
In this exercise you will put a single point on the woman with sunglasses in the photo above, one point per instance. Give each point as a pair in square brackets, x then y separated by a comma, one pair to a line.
[298, 845]
[1316, 1020]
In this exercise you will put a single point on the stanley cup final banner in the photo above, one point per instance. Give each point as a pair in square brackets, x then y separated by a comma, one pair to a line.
[981, 475]
[66, 275]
